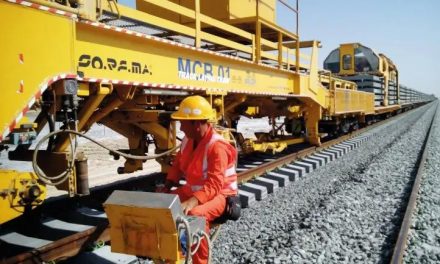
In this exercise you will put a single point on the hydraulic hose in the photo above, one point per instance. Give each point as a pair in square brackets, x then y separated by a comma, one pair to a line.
[60, 178]
[206, 236]
[197, 240]
[51, 123]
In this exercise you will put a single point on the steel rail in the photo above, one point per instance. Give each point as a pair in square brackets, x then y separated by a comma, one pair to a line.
[64, 248]
[264, 168]
[73, 244]
[402, 239]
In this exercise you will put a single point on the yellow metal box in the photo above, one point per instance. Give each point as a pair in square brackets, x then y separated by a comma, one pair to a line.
[144, 224]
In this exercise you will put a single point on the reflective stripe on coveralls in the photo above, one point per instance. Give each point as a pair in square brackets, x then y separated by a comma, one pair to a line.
[227, 173]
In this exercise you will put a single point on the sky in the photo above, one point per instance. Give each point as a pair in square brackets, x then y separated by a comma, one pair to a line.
[407, 31]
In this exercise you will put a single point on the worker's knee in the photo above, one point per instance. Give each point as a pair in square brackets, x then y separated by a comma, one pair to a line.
[209, 211]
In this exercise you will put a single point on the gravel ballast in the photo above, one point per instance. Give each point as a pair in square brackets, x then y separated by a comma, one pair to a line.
[347, 211]
[424, 235]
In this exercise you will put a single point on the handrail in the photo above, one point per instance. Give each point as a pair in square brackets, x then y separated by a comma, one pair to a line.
[225, 42]
[217, 23]
[288, 6]
[253, 43]
[145, 17]
[293, 9]
[199, 18]
[56, 6]
[176, 8]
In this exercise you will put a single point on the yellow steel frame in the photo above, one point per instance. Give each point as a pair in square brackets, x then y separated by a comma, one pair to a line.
[77, 39]
[57, 44]
[346, 101]
[251, 145]
[92, 49]
[183, 66]
[258, 46]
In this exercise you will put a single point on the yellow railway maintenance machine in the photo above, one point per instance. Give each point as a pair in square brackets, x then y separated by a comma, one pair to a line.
[372, 72]
[72, 64]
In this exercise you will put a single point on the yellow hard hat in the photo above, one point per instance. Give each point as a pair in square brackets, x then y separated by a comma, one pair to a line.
[194, 108]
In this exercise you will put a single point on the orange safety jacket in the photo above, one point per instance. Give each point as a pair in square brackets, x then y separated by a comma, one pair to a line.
[209, 169]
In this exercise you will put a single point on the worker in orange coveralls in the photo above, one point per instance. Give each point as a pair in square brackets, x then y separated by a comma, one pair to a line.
[207, 162]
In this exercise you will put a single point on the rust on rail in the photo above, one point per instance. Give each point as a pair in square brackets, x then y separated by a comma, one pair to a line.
[265, 167]
[64, 248]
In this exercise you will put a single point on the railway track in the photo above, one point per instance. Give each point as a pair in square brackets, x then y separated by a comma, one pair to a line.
[346, 212]
[402, 239]
[67, 229]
